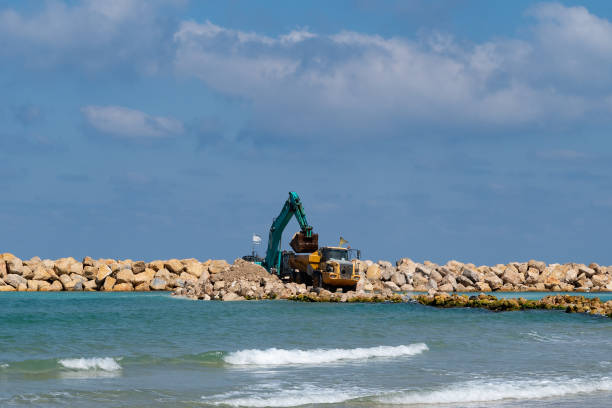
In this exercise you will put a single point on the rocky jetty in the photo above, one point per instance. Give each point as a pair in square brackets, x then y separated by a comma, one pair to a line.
[571, 304]
[110, 275]
[532, 276]
[217, 279]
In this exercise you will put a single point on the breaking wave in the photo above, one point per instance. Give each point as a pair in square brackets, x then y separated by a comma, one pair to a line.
[475, 392]
[274, 356]
[286, 398]
[94, 363]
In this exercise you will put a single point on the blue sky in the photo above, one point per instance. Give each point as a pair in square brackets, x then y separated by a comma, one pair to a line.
[469, 130]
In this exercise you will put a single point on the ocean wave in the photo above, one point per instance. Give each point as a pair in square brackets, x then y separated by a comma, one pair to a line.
[275, 356]
[93, 363]
[307, 395]
[475, 392]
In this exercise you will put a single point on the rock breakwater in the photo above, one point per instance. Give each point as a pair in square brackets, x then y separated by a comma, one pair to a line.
[532, 276]
[571, 304]
[217, 279]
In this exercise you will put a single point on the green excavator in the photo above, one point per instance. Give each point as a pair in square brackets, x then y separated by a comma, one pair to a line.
[328, 267]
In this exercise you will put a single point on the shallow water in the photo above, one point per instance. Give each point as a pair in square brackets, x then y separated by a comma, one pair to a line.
[142, 350]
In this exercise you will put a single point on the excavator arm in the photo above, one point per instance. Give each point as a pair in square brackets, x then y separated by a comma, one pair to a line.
[304, 241]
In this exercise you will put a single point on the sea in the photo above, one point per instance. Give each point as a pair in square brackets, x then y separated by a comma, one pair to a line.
[154, 350]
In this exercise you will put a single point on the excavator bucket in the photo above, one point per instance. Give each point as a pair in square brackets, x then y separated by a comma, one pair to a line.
[301, 243]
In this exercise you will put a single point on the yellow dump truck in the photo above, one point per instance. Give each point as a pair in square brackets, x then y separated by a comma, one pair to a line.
[328, 267]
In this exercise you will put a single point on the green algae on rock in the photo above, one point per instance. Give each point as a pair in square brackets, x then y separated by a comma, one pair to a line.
[571, 304]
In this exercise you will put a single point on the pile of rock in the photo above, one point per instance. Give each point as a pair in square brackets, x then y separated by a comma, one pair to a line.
[68, 274]
[455, 276]
[246, 281]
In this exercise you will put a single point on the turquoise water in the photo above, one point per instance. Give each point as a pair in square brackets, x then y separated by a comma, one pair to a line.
[152, 350]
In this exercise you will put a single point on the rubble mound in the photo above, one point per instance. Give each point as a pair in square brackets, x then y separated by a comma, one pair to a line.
[243, 270]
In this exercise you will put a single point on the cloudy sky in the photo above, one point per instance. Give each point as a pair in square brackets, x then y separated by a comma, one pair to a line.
[463, 129]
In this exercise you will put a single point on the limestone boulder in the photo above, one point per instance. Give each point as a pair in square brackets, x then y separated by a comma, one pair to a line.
[15, 280]
[62, 266]
[14, 266]
[43, 286]
[218, 266]
[464, 280]
[158, 284]
[144, 277]
[373, 272]
[187, 277]
[398, 279]
[56, 286]
[483, 286]
[7, 288]
[174, 265]
[538, 265]
[231, 296]
[3, 271]
[435, 275]
[90, 285]
[472, 275]
[386, 270]
[571, 276]
[88, 261]
[109, 283]
[76, 268]
[195, 269]
[512, 276]
[418, 280]
[600, 280]
[123, 287]
[156, 265]
[446, 287]
[392, 286]
[142, 287]
[32, 285]
[494, 281]
[532, 276]
[138, 267]
[163, 273]
[103, 272]
[422, 269]
[589, 272]
[450, 280]
[67, 282]
[89, 272]
[125, 276]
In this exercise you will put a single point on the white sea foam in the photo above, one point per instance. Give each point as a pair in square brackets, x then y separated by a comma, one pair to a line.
[287, 398]
[473, 392]
[94, 363]
[274, 356]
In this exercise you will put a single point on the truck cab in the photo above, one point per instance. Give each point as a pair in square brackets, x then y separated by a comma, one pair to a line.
[333, 267]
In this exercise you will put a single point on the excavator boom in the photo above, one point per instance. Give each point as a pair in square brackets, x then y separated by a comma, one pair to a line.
[303, 241]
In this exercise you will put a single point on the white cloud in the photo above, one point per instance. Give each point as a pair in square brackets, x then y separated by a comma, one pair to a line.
[352, 83]
[360, 83]
[90, 34]
[128, 123]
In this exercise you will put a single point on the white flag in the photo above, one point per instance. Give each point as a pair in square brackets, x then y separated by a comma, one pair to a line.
[256, 239]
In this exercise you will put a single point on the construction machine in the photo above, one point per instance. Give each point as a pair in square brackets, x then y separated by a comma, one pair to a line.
[330, 267]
